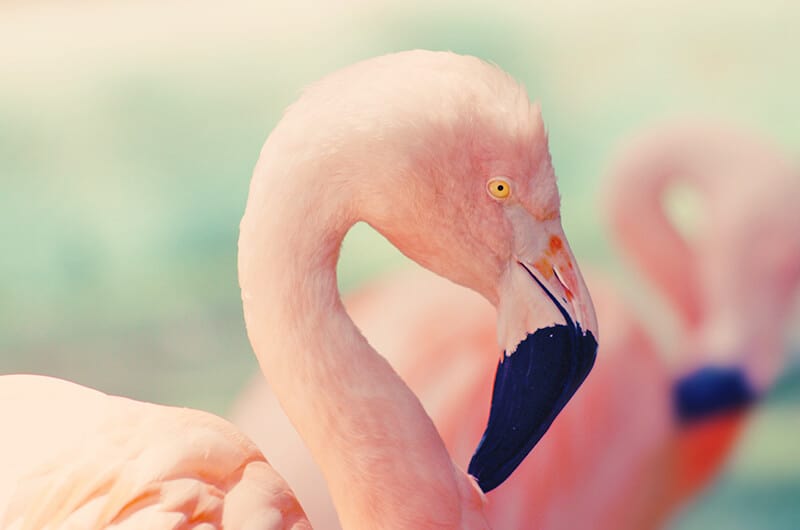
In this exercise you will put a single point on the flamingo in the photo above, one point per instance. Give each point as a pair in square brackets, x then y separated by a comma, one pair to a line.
[646, 432]
[444, 155]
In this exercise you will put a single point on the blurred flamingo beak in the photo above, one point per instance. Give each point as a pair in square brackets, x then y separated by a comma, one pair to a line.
[548, 331]
[711, 391]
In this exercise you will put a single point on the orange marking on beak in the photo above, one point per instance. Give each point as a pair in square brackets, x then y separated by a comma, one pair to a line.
[555, 244]
[544, 267]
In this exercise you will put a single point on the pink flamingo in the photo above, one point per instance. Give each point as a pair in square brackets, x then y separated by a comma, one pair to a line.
[644, 435]
[445, 156]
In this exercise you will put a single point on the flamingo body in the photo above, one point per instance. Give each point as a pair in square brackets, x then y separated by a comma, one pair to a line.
[81, 459]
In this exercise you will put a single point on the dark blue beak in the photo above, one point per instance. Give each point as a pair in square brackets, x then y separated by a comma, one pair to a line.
[711, 391]
[531, 387]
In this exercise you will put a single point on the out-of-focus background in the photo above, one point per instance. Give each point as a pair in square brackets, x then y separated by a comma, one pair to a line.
[128, 131]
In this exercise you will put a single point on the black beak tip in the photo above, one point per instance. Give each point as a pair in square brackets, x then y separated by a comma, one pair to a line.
[531, 387]
[711, 391]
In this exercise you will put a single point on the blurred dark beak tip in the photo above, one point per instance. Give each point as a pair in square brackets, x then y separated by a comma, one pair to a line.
[711, 391]
[531, 387]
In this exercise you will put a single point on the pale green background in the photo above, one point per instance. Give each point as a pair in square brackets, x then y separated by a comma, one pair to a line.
[128, 132]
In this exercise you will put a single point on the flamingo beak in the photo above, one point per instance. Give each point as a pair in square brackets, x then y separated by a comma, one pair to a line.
[711, 391]
[548, 331]
[723, 376]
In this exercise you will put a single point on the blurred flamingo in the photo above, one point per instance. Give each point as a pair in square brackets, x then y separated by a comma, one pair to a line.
[646, 432]
[443, 154]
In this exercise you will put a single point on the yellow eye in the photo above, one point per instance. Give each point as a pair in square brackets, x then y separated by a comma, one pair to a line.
[499, 188]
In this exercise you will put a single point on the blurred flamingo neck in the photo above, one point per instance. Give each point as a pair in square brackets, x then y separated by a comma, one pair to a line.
[643, 229]
[382, 457]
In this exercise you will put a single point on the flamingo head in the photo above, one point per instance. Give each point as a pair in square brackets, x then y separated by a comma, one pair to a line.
[473, 197]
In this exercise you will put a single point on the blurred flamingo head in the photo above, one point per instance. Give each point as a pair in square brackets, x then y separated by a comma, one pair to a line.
[740, 262]
[731, 276]
[749, 276]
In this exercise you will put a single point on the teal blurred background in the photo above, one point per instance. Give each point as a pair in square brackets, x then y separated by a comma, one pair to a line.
[128, 132]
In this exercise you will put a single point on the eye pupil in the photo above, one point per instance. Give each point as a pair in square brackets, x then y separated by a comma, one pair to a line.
[500, 187]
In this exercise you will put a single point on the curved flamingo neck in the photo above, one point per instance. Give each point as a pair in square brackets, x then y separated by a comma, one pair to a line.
[639, 220]
[382, 458]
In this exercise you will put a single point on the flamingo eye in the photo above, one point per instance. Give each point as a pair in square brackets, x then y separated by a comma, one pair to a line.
[499, 188]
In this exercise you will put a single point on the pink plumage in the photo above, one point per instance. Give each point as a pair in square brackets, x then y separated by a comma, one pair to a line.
[77, 458]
